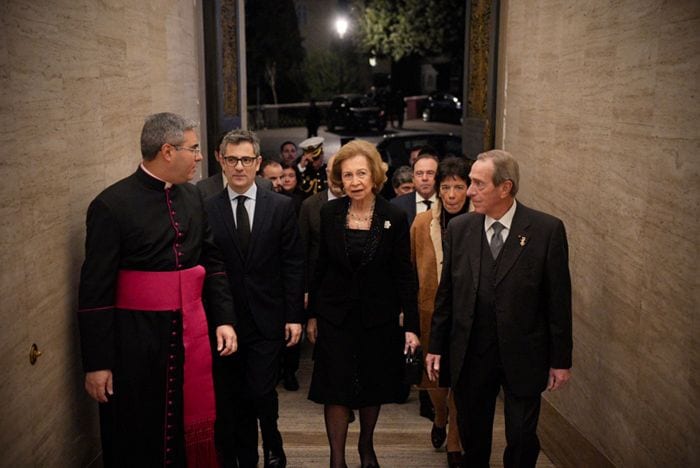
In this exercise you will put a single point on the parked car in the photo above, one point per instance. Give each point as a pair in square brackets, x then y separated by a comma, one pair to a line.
[355, 112]
[443, 107]
[395, 150]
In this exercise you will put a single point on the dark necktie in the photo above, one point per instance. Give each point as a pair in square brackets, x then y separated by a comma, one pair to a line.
[496, 240]
[427, 204]
[242, 222]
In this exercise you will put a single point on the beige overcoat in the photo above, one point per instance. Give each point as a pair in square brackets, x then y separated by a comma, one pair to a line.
[426, 255]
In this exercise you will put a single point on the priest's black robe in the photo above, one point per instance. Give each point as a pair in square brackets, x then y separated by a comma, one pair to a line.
[139, 224]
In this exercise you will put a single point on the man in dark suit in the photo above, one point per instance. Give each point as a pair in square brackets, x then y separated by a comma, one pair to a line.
[421, 199]
[213, 185]
[424, 170]
[502, 312]
[257, 231]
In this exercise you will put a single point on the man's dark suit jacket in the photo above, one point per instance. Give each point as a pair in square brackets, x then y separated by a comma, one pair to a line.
[213, 185]
[532, 298]
[310, 229]
[384, 282]
[407, 203]
[268, 281]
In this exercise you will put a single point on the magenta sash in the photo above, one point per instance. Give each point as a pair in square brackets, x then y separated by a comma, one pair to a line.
[182, 290]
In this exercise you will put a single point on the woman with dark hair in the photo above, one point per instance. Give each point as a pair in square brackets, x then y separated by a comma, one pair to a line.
[290, 186]
[363, 280]
[427, 234]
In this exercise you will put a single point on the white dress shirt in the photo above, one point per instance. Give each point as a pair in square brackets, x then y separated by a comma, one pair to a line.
[420, 206]
[251, 193]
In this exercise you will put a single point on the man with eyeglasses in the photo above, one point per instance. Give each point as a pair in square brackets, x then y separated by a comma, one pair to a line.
[258, 234]
[423, 197]
[214, 184]
[145, 349]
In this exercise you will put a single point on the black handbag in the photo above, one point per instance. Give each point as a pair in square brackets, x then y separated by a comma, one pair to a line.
[413, 367]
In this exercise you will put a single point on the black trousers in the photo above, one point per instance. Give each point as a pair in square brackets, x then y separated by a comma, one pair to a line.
[475, 397]
[245, 393]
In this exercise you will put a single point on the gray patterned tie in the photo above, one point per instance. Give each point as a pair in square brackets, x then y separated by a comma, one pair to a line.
[496, 240]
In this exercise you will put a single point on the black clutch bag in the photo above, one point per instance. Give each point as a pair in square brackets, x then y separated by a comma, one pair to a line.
[413, 367]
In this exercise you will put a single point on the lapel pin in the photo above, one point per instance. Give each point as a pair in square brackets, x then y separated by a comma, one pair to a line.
[387, 224]
[523, 240]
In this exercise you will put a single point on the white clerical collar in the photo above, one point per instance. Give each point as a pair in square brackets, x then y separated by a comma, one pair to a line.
[506, 220]
[251, 193]
[167, 184]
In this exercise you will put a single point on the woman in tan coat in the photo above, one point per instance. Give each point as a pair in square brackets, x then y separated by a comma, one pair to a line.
[426, 252]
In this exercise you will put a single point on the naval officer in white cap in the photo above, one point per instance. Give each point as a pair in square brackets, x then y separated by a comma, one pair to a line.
[312, 167]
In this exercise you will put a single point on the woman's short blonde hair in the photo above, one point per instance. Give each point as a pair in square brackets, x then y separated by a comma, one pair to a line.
[360, 148]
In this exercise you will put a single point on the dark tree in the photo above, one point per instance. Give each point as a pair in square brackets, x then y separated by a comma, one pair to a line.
[274, 53]
[334, 71]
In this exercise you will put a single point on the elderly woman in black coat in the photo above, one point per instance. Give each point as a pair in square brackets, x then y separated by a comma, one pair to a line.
[363, 281]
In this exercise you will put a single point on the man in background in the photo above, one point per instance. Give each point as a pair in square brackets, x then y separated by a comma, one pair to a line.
[422, 199]
[311, 168]
[402, 181]
[288, 152]
[272, 171]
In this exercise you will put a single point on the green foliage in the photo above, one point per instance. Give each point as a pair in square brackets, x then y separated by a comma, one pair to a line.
[401, 28]
[328, 73]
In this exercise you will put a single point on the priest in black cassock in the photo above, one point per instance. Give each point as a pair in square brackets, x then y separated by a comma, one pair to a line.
[150, 261]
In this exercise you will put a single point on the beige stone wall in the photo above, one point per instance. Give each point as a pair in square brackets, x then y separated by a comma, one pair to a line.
[599, 101]
[76, 80]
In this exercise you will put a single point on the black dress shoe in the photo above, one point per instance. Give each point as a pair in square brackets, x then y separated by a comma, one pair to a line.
[372, 464]
[455, 460]
[438, 436]
[290, 382]
[274, 460]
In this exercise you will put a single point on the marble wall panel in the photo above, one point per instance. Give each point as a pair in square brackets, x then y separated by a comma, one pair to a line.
[600, 105]
[76, 80]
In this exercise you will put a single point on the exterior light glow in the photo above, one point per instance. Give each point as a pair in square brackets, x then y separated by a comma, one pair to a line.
[341, 26]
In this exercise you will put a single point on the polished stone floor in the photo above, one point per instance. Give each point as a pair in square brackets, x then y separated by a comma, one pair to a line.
[402, 437]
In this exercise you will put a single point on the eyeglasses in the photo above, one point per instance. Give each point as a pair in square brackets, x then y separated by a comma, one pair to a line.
[232, 161]
[194, 151]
